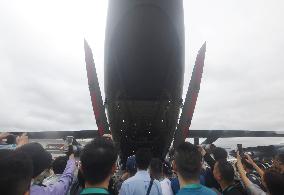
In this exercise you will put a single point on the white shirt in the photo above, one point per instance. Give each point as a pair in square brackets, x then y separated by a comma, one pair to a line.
[166, 187]
[138, 185]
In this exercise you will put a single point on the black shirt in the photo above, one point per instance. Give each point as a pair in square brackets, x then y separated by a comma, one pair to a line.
[233, 190]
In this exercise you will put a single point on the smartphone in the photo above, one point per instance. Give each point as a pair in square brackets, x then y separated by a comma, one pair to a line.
[69, 140]
[240, 149]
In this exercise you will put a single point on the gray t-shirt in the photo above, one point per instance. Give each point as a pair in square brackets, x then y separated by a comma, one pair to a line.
[254, 189]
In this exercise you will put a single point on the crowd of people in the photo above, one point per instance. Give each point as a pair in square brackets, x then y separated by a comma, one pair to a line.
[29, 169]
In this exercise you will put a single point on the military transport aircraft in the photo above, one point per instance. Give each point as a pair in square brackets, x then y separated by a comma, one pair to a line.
[144, 69]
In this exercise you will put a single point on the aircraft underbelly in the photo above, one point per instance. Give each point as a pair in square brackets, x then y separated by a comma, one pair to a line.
[144, 65]
[136, 124]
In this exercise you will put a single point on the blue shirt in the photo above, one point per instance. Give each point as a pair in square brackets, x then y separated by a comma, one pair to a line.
[196, 189]
[138, 185]
[94, 191]
[175, 183]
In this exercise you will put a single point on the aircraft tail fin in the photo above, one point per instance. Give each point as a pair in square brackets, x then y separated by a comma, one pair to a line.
[95, 92]
[182, 130]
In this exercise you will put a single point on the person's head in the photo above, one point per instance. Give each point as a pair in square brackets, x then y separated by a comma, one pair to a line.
[280, 158]
[11, 139]
[274, 182]
[187, 162]
[131, 167]
[247, 166]
[224, 172]
[16, 171]
[59, 164]
[156, 168]
[98, 161]
[279, 162]
[167, 171]
[40, 157]
[220, 154]
[143, 158]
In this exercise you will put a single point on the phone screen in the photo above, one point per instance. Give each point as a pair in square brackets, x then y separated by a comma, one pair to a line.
[69, 140]
[240, 149]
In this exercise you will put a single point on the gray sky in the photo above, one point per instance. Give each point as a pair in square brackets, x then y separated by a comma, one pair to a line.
[43, 84]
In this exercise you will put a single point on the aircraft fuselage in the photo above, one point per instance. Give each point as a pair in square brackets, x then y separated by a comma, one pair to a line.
[144, 68]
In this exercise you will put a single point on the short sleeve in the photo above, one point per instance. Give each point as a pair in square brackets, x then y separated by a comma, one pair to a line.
[254, 189]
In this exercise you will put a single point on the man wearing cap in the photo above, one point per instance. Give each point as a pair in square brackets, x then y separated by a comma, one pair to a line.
[131, 170]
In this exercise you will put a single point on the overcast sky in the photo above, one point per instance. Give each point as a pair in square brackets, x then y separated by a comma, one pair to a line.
[43, 84]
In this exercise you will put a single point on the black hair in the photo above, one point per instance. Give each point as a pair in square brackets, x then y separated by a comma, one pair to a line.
[220, 154]
[274, 182]
[156, 168]
[97, 159]
[59, 164]
[188, 161]
[226, 171]
[143, 158]
[246, 164]
[280, 158]
[40, 157]
[16, 171]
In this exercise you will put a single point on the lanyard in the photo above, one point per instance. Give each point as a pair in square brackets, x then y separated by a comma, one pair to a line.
[94, 191]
